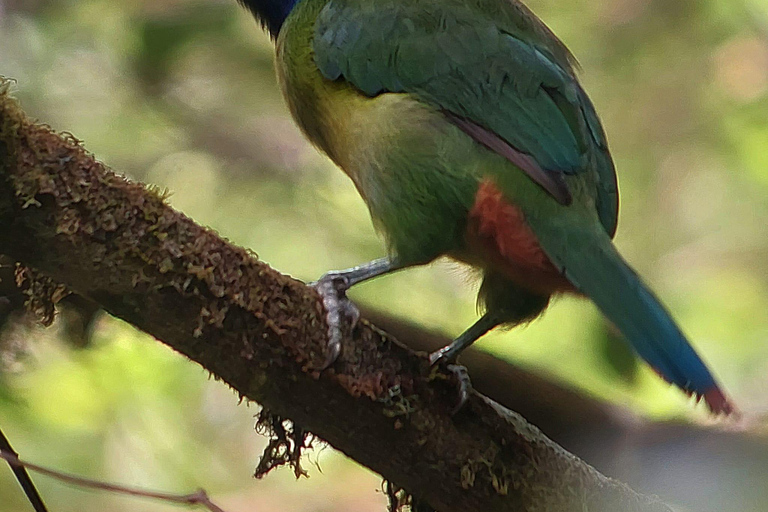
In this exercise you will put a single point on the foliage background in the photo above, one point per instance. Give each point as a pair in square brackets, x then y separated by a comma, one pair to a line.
[182, 94]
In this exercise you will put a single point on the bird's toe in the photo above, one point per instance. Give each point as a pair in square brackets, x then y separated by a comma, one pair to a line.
[340, 312]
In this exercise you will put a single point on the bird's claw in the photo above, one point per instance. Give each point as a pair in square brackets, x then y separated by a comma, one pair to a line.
[332, 288]
[437, 356]
[464, 384]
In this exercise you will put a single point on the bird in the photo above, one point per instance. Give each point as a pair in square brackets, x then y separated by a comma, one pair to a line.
[466, 131]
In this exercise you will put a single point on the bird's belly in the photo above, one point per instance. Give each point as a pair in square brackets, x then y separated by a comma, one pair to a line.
[416, 172]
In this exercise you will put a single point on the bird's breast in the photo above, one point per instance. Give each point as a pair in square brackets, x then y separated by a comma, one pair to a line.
[332, 114]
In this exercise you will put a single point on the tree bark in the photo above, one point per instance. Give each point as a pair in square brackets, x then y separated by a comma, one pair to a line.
[118, 243]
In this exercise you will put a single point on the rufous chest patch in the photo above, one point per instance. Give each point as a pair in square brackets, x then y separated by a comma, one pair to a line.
[498, 232]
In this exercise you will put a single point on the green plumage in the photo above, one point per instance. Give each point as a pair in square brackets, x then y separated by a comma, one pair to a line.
[422, 101]
[417, 172]
[489, 61]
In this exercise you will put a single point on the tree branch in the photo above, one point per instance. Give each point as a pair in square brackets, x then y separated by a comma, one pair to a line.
[120, 245]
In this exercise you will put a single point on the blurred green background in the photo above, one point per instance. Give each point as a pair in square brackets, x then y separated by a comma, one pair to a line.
[182, 94]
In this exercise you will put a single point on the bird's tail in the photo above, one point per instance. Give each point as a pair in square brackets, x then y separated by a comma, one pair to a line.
[595, 268]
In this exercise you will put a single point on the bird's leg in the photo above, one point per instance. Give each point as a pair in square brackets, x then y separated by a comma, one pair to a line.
[333, 287]
[448, 354]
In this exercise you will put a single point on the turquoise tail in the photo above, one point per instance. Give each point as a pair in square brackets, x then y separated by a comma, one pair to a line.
[597, 270]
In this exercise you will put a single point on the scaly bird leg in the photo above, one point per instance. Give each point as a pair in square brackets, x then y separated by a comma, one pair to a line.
[448, 354]
[333, 287]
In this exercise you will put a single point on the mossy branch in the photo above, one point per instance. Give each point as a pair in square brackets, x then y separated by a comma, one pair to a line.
[119, 244]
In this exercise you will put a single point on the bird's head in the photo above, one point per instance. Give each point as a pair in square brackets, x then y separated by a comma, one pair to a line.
[270, 13]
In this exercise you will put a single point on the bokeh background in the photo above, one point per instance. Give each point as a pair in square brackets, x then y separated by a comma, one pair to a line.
[181, 94]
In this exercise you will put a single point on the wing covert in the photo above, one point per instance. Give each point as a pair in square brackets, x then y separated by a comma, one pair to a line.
[486, 69]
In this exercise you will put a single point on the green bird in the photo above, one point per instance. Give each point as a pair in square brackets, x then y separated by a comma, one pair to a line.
[466, 132]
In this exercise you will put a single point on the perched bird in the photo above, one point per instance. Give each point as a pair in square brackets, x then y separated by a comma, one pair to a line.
[466, 132]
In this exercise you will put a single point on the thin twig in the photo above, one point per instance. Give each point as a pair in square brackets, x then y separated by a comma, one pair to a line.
[197, 498]
[22, 476]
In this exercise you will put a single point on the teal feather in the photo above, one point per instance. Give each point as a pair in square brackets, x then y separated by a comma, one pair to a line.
[488, 67]
[586, 256]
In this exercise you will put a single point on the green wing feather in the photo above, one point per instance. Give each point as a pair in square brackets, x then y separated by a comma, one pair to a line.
[489, 61]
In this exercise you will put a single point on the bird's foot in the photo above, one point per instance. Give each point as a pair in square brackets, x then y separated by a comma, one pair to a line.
[459, 372]
[447, 355]
[332, 288]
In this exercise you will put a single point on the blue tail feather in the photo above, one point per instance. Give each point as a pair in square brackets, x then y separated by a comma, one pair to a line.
[599, 271]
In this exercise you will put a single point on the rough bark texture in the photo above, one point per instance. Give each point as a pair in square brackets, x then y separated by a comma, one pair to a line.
[119, 244]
